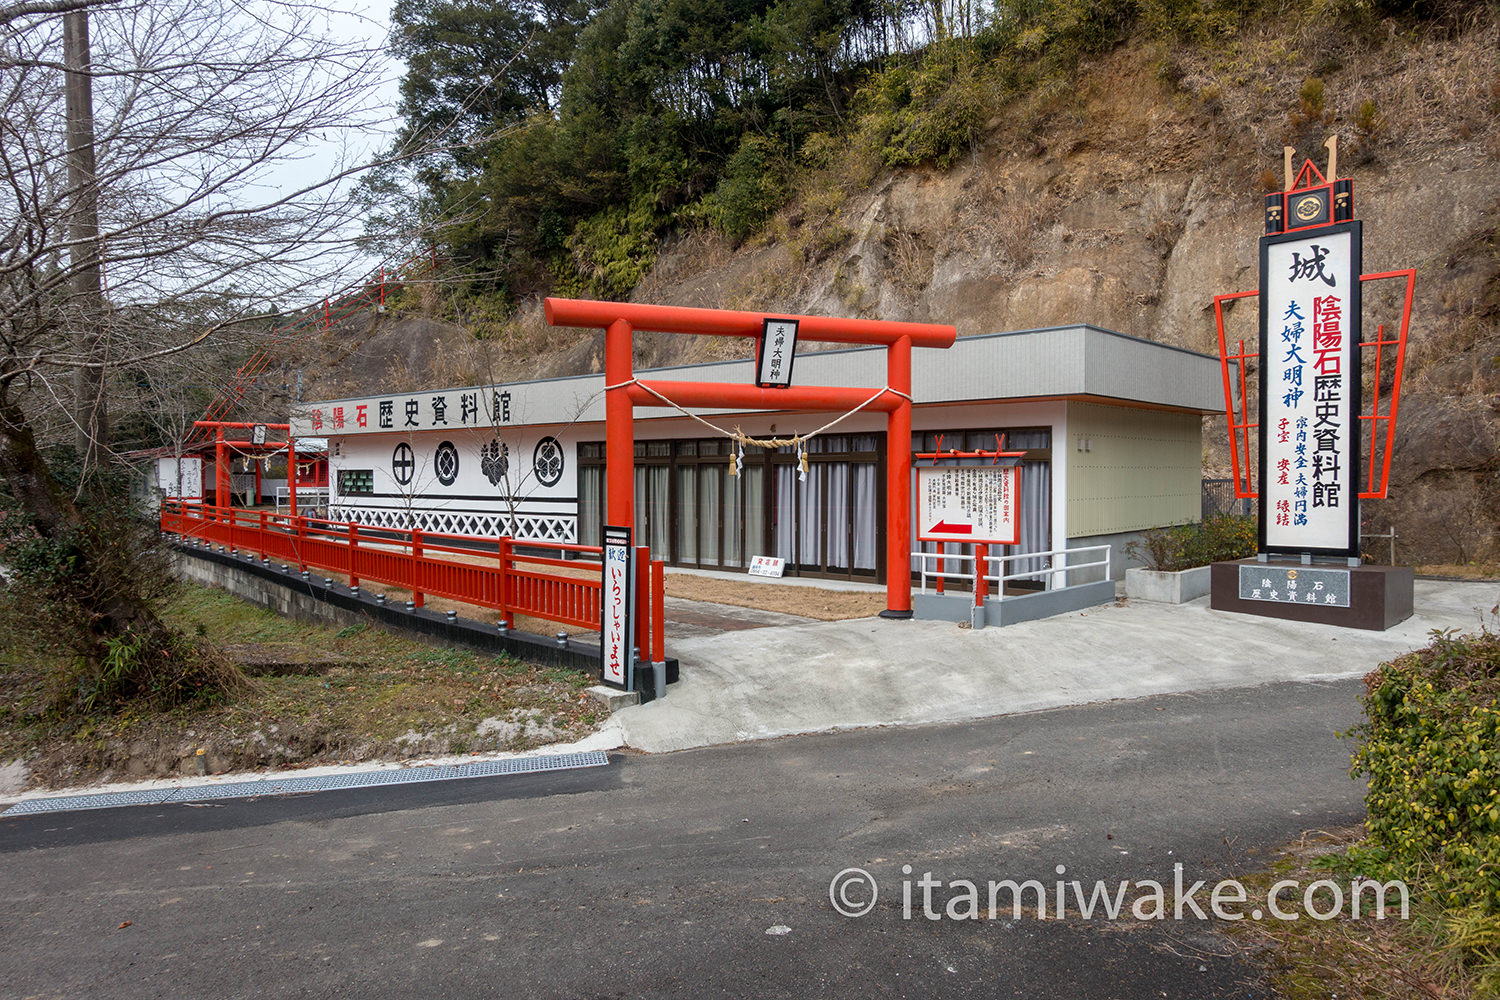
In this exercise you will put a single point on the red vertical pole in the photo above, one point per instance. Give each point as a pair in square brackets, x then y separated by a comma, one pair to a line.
[643, 602]
[416, 568]
[619, 426]
[981, 585]
[291, 472]
[658, 611]
[353, 554]
[261, 547]
[221, 472]
[507, 615]
[898, 484]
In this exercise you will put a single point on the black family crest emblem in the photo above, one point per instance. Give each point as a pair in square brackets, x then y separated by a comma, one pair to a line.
[494, 461]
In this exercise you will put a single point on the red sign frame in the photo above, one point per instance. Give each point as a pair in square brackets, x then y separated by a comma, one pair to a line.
[963, 533]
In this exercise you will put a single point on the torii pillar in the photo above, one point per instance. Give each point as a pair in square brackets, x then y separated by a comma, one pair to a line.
[623, 393]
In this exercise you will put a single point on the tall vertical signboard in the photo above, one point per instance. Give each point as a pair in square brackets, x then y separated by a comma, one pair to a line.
[1310, 391]
[1311, 466]
[617, 613]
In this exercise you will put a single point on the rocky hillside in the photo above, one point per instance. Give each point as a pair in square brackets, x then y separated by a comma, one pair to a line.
[1125, 198]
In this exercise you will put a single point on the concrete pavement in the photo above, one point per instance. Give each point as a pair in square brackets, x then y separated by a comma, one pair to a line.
[701, 874]
[775, 681]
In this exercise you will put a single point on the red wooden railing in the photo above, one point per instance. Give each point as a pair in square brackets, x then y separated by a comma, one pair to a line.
[512, 583]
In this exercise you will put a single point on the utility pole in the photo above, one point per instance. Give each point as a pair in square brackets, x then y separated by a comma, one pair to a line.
[86, 284]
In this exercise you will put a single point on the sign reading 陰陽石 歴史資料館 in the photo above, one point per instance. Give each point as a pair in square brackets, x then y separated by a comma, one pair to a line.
[1310, 390]
[1299, 419]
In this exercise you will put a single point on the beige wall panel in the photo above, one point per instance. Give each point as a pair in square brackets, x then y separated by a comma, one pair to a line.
[1137, 468]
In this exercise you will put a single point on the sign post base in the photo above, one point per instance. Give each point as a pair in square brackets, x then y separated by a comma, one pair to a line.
[1365, 597]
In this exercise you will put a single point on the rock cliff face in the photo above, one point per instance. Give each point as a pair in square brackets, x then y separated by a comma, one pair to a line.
[1128, 202]
[1136, 203]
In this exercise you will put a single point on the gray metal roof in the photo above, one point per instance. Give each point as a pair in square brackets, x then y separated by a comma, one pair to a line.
[1074, 361]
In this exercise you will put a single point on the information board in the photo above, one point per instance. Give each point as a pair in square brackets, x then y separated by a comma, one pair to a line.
[971, 504]
[1295, 585]
[181, 478]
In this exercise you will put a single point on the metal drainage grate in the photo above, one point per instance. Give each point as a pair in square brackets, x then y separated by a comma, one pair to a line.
[315, 783]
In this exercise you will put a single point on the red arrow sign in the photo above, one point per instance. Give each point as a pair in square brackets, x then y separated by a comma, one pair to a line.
[944, 528]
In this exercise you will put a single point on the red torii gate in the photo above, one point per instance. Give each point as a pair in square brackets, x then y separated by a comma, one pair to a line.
[623, 393]
[221, 456]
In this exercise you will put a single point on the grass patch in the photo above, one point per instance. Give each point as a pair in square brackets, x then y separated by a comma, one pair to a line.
[1430, 746]
[373, 696]
[1371, 958]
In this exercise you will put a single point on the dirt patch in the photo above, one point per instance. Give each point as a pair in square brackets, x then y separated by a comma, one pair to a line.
[1379, 956]
[1460, 571]
[280, 659]
[322, 695]
[809, 602]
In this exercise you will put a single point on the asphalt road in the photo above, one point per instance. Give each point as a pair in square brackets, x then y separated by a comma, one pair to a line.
[661, 875]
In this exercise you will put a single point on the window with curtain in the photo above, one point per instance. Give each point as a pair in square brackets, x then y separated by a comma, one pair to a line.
[1035, 495]
[828, 524]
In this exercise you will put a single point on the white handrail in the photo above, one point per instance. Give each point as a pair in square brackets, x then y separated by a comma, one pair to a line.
[1048, 568]
[309, 496]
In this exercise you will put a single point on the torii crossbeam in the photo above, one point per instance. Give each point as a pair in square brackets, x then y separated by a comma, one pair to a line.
[623, 393]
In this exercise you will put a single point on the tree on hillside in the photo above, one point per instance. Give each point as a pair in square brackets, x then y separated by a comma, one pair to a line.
[150, 201]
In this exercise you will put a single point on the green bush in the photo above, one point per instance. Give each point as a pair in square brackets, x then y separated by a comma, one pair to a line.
[1218, 539]
[930, 112]
[613, 250]
[1430, 746]
[752, 188]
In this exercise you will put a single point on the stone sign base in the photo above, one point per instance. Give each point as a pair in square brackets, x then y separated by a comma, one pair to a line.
[1367, 597]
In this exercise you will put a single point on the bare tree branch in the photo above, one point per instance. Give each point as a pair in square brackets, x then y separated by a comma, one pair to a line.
[34, 8]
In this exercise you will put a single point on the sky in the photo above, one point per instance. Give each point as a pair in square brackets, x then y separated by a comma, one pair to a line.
[351, 21]
[360, 19]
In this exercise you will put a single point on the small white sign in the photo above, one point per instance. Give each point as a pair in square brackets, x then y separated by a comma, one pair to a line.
[767, 566]
[616, 662]
[969, 504]
[180, 478]
[778, 349]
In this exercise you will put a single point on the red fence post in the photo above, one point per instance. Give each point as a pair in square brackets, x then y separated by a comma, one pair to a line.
[981, 585]
[301, 538]
[261, 537]
[416, 568]
[507, 613]
[658, 612]
[353, 555]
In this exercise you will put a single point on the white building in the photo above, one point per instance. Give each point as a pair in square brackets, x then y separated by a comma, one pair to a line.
[1111, 426]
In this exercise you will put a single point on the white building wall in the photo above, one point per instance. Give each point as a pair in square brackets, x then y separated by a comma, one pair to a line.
[520, 481]
[481, 500]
